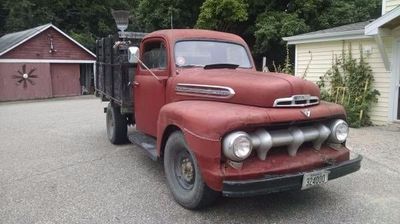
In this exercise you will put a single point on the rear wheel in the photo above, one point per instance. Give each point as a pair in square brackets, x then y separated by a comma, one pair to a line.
[117, 125]
[183, 175]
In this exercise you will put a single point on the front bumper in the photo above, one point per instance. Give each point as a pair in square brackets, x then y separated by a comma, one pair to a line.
[279, 183]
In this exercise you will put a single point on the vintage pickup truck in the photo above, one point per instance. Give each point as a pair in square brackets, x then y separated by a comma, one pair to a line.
[196, 101]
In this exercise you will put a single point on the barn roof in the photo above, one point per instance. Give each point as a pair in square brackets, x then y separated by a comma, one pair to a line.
[13, 40]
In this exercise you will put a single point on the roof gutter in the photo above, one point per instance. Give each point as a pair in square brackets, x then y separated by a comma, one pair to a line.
[321, 37]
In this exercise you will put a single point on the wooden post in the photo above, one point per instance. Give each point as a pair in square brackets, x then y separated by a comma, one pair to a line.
[363, 98]
[264, 65]
[343, 94]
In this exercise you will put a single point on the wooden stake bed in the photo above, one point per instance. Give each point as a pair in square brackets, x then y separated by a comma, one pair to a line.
[114, 74]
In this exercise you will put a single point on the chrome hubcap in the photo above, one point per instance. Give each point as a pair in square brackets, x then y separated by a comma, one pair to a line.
[187, 169]
[184, 170]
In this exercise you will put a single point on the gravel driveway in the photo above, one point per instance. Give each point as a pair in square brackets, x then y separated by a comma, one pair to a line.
[56, 166]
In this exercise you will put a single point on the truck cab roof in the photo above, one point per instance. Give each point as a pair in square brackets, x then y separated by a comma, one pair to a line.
[174, 35]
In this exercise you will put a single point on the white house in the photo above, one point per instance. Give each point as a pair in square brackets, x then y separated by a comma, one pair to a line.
[379, 38]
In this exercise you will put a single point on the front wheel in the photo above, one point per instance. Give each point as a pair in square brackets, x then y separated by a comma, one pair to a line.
[117, 125]
[183, 175]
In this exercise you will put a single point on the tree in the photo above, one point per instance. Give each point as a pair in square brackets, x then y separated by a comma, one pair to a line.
[292, 17]
[20, 14]
[271, 27]
[152, 15]
[261, 23]
[222, 14]
[84, 20]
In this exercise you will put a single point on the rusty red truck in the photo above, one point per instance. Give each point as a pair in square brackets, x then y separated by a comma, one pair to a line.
[196, 102]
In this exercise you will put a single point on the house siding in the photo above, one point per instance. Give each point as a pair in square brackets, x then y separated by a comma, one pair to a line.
[322, 57]
[389, 5]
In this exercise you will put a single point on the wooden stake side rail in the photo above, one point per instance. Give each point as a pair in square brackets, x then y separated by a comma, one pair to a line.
[113, 72]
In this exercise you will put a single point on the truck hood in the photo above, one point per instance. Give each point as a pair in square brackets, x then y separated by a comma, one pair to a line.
[248, 87]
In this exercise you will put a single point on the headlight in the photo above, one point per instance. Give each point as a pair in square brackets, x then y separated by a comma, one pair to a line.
[237, 146]
[339, 131]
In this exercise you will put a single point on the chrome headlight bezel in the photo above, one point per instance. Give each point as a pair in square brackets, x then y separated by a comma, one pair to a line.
[338, 127]
[232, 148]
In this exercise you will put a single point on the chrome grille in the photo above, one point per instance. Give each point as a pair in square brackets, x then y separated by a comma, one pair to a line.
[291, 137]
[296, 101]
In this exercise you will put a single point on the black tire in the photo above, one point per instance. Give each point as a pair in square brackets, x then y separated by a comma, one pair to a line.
[117, 125]
[187, 186]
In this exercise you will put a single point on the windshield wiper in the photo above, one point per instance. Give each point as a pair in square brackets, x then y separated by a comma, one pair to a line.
[189, 66]
[221, 65]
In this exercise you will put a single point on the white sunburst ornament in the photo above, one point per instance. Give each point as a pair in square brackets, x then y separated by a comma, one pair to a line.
[24, 77]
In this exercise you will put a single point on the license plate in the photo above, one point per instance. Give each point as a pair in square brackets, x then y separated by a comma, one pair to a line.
[314, 178]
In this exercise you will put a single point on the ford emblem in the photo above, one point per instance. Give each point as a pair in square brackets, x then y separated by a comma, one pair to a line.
[306, 112]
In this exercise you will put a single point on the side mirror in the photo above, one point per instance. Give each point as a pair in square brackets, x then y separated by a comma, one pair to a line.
[133, 55]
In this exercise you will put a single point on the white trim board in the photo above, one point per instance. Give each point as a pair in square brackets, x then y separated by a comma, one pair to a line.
[394, 79]
[295, 60]
[43, 29]
[382, 51]
[47, 61]
[383, 7]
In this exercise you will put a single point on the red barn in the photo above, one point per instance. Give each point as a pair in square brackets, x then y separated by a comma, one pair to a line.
[43, 62]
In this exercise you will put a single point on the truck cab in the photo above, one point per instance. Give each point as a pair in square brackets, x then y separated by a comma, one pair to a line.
[221, 127]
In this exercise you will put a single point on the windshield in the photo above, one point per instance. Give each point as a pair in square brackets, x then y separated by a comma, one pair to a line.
[202, 53]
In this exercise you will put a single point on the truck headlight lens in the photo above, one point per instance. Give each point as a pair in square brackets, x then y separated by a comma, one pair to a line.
[340, 131]
[237, 146]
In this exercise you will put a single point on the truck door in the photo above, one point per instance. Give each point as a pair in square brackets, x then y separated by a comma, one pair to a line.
[148, 91]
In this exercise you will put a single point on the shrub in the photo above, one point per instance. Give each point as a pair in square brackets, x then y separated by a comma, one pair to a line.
[349, 82]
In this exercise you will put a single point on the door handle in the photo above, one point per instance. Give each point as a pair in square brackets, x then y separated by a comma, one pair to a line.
[136, 83]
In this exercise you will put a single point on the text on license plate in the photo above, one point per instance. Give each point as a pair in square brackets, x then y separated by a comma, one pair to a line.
[314, 178]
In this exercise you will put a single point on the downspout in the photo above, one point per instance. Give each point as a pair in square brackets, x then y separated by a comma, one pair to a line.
[94, 75]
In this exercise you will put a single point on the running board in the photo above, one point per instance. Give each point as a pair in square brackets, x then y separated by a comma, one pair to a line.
[145, 142]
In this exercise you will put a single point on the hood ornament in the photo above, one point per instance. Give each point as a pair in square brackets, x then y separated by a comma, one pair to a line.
[306, 112]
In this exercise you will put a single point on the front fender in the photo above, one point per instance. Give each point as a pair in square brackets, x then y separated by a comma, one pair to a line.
[204, 123]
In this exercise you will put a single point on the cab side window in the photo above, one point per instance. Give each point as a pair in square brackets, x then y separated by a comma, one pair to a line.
[155, 55]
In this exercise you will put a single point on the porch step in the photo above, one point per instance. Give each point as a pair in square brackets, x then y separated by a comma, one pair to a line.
[145, 142]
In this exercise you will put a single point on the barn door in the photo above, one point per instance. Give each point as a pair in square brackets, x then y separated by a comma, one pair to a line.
[65, 79]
